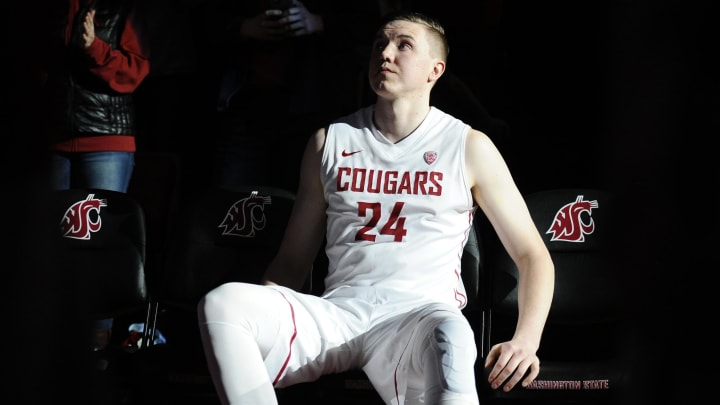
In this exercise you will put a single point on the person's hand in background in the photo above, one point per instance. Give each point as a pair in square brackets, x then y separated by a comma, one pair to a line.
[276, 24]
[300, 21]
[89, 29]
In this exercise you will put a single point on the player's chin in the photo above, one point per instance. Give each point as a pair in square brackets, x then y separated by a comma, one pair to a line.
[380, 87]
[377, 80]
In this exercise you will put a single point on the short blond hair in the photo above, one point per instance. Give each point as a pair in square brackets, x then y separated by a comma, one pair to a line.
[434, 27]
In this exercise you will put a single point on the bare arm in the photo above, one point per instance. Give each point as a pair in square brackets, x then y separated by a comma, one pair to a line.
[495, 191]
[306, 227]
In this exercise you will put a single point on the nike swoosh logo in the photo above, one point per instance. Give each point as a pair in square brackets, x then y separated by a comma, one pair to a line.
[346, 154]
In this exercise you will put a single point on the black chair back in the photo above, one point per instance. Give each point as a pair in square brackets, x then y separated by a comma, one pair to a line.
[223, 235]
[100, 246]
[584, 346]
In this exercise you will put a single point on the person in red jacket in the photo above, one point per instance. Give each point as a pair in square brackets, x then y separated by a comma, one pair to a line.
[94, 57]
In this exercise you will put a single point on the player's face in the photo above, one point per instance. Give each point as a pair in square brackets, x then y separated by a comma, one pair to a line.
[401, 61]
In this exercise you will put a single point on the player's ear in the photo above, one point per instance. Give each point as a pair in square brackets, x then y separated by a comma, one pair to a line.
[437, 71]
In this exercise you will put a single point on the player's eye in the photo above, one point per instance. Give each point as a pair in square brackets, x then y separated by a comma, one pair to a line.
[379, 45]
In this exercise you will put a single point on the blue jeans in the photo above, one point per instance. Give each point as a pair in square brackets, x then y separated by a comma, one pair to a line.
[105, 170]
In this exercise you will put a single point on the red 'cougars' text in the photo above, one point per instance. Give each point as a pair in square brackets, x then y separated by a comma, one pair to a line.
[389, 181]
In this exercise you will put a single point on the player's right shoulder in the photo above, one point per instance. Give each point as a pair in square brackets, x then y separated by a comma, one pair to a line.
[319, 138]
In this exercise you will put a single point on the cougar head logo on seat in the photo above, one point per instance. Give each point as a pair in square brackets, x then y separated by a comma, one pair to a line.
[82, 218]
[568, 224]
[246, 216]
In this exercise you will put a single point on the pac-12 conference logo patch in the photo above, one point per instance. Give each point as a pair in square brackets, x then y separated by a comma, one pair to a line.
[430, 157]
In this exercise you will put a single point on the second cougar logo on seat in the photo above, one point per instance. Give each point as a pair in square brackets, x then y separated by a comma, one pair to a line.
[246, 216]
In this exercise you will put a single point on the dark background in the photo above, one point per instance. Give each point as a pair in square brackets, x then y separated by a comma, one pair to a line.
[615, 94]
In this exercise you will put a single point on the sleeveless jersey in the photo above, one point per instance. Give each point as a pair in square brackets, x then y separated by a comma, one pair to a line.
[398, 214]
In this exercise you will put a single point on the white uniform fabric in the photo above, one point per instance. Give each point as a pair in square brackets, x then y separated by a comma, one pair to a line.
[412, 223]
[394, 294]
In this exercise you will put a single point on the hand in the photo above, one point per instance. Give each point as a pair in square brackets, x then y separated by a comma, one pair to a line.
[511, 361]
[88, 35]
[302, 22]
[265, 26]
[282, 24]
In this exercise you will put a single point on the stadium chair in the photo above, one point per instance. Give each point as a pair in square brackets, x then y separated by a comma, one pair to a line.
[95, 269]
[584, 350]
[156, 186]
[224, 234]
[221, 234]
[100, 240]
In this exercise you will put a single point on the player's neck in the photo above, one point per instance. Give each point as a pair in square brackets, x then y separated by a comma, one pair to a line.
[398, 120]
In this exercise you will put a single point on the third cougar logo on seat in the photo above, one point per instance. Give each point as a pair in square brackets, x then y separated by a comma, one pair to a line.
[568, 225]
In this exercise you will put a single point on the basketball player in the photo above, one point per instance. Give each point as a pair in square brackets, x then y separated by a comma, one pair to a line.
[394, 187]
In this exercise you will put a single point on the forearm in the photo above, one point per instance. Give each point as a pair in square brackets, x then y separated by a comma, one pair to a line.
[535, 292]
[284, 273]
[124, 68]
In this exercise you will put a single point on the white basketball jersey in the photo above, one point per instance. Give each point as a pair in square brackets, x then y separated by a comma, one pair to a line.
[399, 214]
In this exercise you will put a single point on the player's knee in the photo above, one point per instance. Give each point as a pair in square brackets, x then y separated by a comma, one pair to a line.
[224, 301]
[455, 337]
[448, 362]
